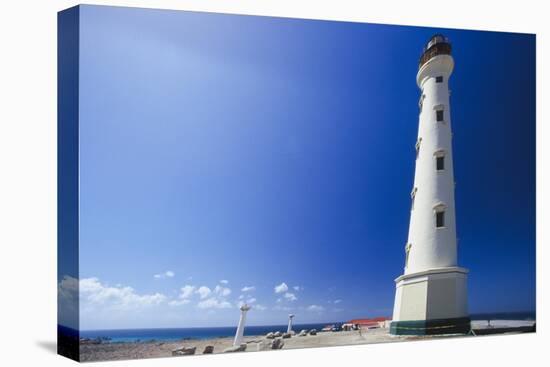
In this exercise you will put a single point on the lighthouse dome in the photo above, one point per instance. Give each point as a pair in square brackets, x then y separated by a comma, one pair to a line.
[438, 44]
[436, 38]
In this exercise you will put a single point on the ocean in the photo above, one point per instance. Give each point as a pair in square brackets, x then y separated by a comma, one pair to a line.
[142, 335]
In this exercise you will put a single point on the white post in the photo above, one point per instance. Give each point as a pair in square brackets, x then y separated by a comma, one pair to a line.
[290, 317]
[240, 329]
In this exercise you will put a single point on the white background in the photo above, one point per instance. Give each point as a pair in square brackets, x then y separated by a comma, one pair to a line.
[28, 180]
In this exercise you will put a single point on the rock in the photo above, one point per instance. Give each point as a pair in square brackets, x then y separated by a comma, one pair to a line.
[277, 334]
[209, 349]
[303, 333]
[313, 332]
[286, 335]
[236, 348]
[277, 344]
[270, 335]
[184, 351]
[91, 341]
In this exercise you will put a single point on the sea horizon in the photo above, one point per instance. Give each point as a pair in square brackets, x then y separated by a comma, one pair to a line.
[202, 333]
[190, 333]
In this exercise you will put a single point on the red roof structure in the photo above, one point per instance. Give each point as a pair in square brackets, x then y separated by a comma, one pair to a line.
[368, 322]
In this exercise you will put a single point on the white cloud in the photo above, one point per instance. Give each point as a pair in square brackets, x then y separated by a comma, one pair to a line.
[336, 301]
[224, 281]
[212, 298]
[179, 302]
[203, 291]
[93, 292]
[249, 302]
[248, 288]
[214, 303]
[186, 291]
[315, 308]
[166, 274]
[68, 288]
[67, 298]
[290, 296]
[281, 288]
[183, 298]
[223, 291]
[260, 307]
[297, 288]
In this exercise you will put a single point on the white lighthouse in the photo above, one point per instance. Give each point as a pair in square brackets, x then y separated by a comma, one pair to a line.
[431, 294]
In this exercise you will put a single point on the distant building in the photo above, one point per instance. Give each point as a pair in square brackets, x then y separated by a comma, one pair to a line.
[377, 322]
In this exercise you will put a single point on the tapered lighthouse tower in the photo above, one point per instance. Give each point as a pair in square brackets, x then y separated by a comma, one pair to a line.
[431, 294]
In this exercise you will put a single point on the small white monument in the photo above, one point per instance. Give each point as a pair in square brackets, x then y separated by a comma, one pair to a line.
[240, 329]
[289, 329]
[430, 296]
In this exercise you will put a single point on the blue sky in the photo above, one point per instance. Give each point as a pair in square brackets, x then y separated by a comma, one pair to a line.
[221, 152]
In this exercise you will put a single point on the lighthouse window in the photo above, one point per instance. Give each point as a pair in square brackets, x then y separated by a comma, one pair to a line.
[439, 115]
[418, 146]
[439, 79]
[413, 195]
[440, 219]
[407, 251]
[440, 163]
[421, 102]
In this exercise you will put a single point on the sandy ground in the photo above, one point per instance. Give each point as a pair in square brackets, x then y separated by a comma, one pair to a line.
[122, 351]
[482, 324]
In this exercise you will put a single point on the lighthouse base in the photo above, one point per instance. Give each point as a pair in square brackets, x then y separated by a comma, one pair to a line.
[459, 325]
[431, 302]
